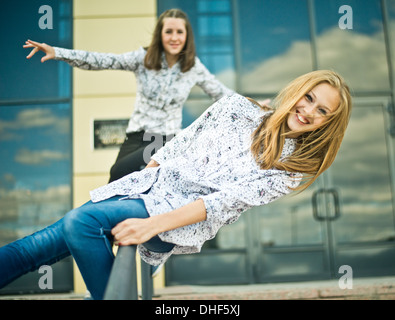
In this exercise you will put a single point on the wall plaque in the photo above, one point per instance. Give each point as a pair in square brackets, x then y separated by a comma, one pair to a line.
[109, 133]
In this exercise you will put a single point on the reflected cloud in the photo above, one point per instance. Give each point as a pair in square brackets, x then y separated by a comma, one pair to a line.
[24, 211]
[53, 193]
[32, 119]
[360, 58]
[274, 73]
[42, 157]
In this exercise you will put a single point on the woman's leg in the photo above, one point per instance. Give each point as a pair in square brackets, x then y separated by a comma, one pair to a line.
[134, 161]
[43, 247]
[132, 144]
[134, 153]
[87, 232]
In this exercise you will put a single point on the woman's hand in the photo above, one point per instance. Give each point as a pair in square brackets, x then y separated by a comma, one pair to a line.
[152, 163]
[47, 49]
[137, 231]
[133, 231]
[264, 102]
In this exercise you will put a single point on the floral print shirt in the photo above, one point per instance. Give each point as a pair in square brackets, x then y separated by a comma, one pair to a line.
[211, 160]
[160, 95]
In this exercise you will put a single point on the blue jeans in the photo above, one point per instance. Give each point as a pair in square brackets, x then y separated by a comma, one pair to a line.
[85, 233]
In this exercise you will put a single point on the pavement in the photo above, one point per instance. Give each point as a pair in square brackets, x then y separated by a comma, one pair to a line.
[380, 288]
[363, 288]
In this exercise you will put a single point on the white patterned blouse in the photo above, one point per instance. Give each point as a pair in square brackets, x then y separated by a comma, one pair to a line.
[211, 160]
[160, 94]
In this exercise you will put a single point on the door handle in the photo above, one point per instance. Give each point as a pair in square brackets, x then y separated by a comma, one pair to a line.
[315, 204]
[314, 199]
[335, 195]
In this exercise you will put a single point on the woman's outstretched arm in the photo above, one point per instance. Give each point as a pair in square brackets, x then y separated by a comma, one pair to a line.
[47, 49]
[137, 231]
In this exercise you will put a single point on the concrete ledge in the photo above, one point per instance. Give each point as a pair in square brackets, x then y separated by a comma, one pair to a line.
[369, 289]
[363, 289]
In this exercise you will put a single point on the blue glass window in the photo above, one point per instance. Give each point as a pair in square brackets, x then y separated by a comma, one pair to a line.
[35, 119]
[30, 79]
[358, 53]
[35, 175]
[274, 44]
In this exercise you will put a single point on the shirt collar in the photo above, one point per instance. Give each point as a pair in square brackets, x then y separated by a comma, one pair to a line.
[165, 65]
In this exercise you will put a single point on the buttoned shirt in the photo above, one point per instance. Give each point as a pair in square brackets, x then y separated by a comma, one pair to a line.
[209, 160]
[160, 94]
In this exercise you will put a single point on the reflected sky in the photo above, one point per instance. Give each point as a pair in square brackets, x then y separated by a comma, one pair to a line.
[35, 175]
[26, 79]
[276, 42]
[358, 54]
[35, 140]
[35, 146]
[269, 28]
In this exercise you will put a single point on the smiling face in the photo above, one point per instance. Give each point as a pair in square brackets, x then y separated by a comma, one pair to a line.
[313, 109]
[174, 37]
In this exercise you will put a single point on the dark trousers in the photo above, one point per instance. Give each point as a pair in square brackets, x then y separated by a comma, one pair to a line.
[135, 153]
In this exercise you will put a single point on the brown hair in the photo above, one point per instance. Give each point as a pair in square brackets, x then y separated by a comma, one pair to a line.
[153, 58]
[315, 150]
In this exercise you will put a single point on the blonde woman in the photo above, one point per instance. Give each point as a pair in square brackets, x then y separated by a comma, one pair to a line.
[235, 156]
[165, 72]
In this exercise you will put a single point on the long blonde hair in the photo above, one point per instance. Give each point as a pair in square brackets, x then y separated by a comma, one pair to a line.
[315, 150]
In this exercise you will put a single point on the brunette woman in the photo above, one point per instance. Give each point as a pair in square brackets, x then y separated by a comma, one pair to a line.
[165, 73]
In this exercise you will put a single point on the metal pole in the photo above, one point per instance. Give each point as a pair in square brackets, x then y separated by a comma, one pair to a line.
[146, 281]
[122, 284]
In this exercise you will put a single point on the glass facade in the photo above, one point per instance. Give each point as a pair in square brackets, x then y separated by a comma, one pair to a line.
[346, 217]
[35, 129]
[272, 50]
[30, 79]
[359, 54]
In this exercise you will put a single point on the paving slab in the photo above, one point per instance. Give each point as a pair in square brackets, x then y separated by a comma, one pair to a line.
[379, 288]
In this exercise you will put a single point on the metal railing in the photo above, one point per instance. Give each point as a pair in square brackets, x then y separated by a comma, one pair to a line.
[122, 284]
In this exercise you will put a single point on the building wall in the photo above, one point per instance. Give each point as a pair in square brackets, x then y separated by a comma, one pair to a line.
[293, 39]
[103, 26]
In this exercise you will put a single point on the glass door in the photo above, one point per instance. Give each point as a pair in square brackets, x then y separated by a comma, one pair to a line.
[292, 244]
[226, 259]
[364, 230]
